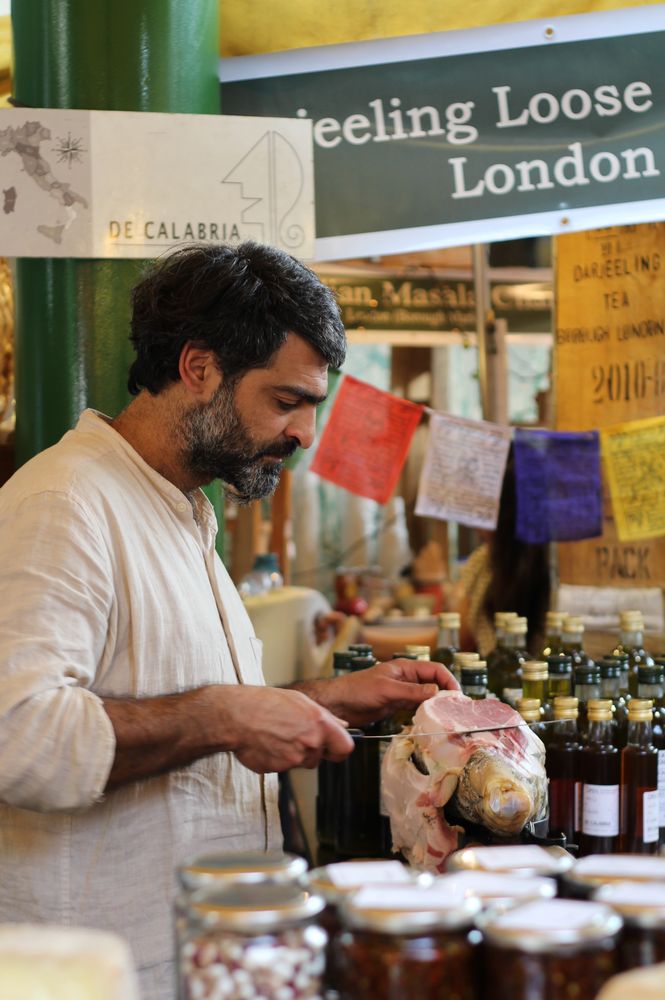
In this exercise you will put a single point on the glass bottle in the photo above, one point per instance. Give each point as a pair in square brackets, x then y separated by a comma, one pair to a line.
[327, 774]
[573, 639]
[600, 774]
[631, 641]
[460, 659]
[506, 682]
[530, 710]
[496, 657]
[562, 766]
[559, 677]
[639, 782]
[651, 684]
[610, 688]
[587, 688]
[447, 643]
[553, 633]
[474, 680]
[358, 827]
[534, 684]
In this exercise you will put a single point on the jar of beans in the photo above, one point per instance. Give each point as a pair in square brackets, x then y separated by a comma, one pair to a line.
[557, 949]
[408, 942]
[245, 942]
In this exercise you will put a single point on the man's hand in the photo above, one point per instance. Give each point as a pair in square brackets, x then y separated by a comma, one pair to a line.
[368, 695]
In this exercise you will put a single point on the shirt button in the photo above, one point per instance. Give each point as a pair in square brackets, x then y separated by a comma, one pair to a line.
[182, 506]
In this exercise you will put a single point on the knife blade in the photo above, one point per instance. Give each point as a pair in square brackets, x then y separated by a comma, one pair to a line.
[358, 733]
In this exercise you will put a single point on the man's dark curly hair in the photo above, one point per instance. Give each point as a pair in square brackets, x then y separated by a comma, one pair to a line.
[240, 302]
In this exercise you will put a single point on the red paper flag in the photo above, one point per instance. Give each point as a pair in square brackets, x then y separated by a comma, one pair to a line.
[365, 442]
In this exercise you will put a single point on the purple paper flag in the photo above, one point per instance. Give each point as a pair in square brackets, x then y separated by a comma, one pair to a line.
[558, 486]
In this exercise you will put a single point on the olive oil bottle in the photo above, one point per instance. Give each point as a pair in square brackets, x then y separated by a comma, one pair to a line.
[562, 766]
[534, 684]
[474, 680]
[610, 688]
[447, 643]
[600, 774]
[553, 633]
[496, 657]
[573, 639]
[631, 642]
[651, 685]
[587, 688]
[559, 677]
[639, 782]
[506, 680]
[530, 710]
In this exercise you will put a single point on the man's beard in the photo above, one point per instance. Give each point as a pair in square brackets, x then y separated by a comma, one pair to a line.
[217, 445]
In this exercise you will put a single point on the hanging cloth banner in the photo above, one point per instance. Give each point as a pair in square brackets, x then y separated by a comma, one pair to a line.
[463, 471]
[366, 439]
[558, 486]
[458, 137]
[634, 457]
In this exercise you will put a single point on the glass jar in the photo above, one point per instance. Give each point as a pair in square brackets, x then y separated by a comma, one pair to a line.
[336, 882]
[642, 909]
[589, 873]
[522, 860]
[555, 949]
[250, 941]
[408, 942]
[208, 871]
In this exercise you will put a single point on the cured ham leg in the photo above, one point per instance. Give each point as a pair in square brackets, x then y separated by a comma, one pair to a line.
[497, 779]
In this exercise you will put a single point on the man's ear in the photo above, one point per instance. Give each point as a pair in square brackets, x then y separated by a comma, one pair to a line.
[199, 371]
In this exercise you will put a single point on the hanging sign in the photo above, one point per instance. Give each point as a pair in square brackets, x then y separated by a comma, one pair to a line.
[557, 486]
[366, 438]
[133, 184]
[463, 471]
[459, 137]
[634, 456]
[609, 362]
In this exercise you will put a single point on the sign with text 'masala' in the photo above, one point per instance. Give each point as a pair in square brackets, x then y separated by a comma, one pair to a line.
[133, 184]
[609, 362]
[460, 137]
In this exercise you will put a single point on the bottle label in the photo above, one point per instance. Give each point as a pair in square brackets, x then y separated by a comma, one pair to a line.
[600, 810]
[661, 787]
[650, 817]
[578, 806]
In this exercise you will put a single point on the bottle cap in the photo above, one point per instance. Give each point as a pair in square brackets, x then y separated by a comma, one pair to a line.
[529, 709]
[517, 626]
[587, 673]
[460, 657]
[419, 651]
[640, 710]
[651, 674]
[557, 665]
[449, 619]
[502, 618]
[599, 710]
[566, 707]
[554, 619]
[573, 623]
[534, 670]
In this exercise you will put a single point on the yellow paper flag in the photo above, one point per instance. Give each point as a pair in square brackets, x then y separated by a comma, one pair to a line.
[634, 456]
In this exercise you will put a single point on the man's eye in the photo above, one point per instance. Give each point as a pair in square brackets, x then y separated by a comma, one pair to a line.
[285, 406]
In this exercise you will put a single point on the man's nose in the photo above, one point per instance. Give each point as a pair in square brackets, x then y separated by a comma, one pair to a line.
[302, 426]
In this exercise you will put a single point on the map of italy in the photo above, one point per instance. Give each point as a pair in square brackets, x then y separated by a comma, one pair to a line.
[25, 141]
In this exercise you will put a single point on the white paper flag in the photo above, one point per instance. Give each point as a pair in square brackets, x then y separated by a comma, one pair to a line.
[463, 471]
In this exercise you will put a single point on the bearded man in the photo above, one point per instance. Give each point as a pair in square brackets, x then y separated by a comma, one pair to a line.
[135, 726]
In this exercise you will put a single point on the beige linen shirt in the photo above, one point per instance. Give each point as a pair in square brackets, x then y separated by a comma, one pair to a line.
[110, 586]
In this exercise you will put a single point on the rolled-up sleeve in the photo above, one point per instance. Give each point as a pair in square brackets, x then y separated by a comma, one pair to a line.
[57, 743]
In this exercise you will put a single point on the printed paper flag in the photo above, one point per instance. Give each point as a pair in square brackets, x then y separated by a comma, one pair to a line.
[463, 471]
[634, 456]
[558, 486]
[366, 439]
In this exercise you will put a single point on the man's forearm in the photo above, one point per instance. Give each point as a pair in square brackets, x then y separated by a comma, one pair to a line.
[155, 735]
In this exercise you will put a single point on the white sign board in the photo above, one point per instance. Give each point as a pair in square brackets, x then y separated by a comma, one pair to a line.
[133, 184]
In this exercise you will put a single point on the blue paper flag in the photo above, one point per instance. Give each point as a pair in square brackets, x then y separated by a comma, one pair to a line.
[558, 486]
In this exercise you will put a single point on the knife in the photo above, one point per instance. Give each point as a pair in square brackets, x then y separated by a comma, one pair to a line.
[358, 734]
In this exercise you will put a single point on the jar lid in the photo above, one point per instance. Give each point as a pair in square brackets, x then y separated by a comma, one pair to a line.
[406, 909]
[550, 925]
[523, 860]
[598, 869]
[499, 888]
[252, 909]
[208, 870]
[640, 904]
[336, 881]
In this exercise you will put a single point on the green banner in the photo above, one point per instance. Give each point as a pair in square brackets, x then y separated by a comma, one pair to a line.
[462, 137]
[402, 302]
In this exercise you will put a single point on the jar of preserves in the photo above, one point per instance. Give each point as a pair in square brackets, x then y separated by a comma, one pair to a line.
[525, 861]
[409, 941]
[589, 873]
[208, 871]
[250, 941]
[642, 909]
[338, 881]
[555, 949]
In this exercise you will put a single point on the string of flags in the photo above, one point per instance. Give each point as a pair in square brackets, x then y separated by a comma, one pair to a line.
[558, 480]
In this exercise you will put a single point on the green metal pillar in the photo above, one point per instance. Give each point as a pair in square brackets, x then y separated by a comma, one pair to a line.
[72, 316]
